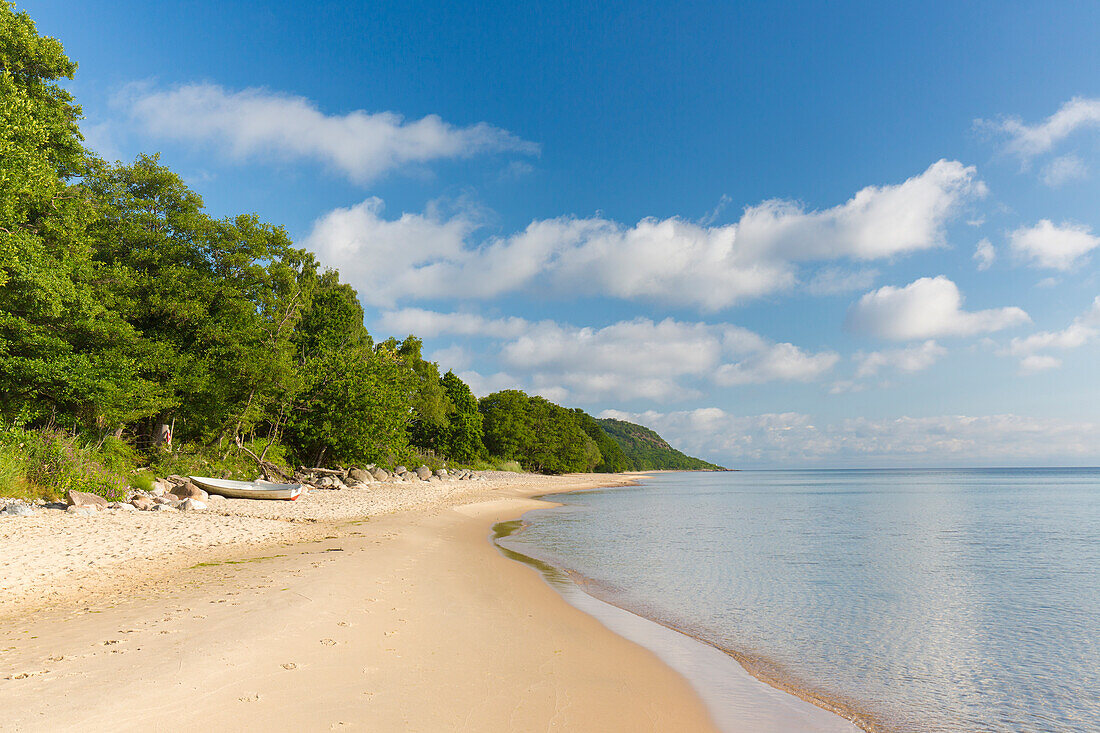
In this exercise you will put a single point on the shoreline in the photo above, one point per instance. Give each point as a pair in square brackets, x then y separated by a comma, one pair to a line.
[731, 701]
[400, 621]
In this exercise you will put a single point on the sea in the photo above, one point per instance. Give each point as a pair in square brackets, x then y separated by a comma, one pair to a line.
[907, 600]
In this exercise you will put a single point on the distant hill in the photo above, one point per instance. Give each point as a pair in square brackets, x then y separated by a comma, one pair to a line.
[645, 450]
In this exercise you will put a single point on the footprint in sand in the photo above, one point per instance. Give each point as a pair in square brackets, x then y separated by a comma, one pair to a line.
[290, 665]
[328, 642]
[342, 623]
[250, 698]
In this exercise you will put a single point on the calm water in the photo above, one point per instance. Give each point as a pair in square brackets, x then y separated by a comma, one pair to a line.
[953, 600]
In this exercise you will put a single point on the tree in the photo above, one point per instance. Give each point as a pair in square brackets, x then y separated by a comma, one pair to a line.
[64, 355]
[462, 436]
[429, 401]
[507, 430]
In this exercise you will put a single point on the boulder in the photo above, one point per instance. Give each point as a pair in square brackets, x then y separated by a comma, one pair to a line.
[192, 505]
[216, 498]
[84, 511]
[84, 499]
[144, 503]
[423, 473]
[325, 482]
[359, 476]
[160, 486]
[163, 508]
[434, 478]
[123, 506]
[189, 491]
[441, 472]
[177, 479]
[380, 474]
[17, 510]
[400, 471]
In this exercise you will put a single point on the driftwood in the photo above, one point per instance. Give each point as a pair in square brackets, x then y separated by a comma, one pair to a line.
[268, 470]
[341, 472]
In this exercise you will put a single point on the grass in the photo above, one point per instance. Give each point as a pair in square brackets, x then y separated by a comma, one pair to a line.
[48, 463]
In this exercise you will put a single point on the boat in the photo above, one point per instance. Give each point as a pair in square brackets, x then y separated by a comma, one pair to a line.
[259, 489]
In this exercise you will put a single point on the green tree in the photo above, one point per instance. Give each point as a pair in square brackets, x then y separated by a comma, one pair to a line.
[64, 355]
[429, 401]
[462, 435]
[507, 429]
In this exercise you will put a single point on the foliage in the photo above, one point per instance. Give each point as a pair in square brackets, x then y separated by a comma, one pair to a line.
[50, 462]
[612, 458]
[646, 450]
[540, 435]
[461, 437]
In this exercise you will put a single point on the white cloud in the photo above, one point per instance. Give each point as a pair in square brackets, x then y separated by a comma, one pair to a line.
[985, 254]
[909, 359]
[425, 256]
[1038, 363]
[453, 358]
[835, 280]
[1062, 170]
[1084, 329]
[485, 384]
[926, 308]
[429, 324]
[635, 359]
[1028, 141]
[258, 122]
[1052, 246]
[792, 439]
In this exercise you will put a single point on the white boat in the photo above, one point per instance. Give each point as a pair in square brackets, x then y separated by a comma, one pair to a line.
[248, 489]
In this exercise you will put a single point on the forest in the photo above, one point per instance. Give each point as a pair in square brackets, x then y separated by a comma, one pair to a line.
[125, 307]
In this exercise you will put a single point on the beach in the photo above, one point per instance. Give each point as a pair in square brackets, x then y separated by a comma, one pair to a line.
[407, 620]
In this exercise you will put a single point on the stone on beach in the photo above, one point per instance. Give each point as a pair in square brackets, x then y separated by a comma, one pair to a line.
[17, 510]
[189, 491]
[359, 476]
[163, 508]
[380, 474]
[86, 511]
[400, 471]
[84, 499]
[190, 505]
[144, 503]
[423, 473]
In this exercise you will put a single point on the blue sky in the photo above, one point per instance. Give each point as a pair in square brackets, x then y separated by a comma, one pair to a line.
[752, 227]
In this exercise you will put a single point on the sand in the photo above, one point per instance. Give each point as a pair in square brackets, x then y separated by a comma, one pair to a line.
[394, 613]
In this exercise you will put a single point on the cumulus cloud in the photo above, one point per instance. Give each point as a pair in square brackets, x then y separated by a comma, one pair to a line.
[1062, 170]
[1057, 247]
[426, 256]
[985, 254]
[1084, 329]
[786, 439]
[636, 359]
[930, 307]
[1027, 141]
[909, 359]
[257, 122]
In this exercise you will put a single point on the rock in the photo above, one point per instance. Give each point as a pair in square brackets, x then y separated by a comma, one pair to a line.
[423, 473]
[324, 483]
[175, 479]
[189, 491]
[163, 486]
[17, 510]
[400, 471]
[144, 503]
[163, 508]
[359, 486]
[84, 511]
[359, 476]
[337, 483]
[441, 472]
[216, 498]
[124, 507]
[192, 505]
[434, 478]
[380, 474]
[84, 499]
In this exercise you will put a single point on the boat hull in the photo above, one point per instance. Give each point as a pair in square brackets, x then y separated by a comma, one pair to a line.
[248, 489]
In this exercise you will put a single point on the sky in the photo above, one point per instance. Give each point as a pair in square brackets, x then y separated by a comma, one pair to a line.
[781, 234]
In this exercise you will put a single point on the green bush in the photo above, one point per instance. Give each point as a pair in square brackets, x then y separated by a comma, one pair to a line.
[48, 463]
